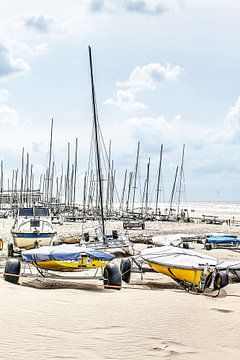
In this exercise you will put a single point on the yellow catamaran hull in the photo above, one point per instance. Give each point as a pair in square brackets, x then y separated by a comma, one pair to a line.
[191, 276]
[85, 263]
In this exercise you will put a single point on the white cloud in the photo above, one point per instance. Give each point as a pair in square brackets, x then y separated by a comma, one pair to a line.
[142, 7]
[152, 131]
[143, 78]
[147, 77]
[40, 23]
[33, 50]
[4, 95]
[228, 130]
[232, 122]
[10, 65]
[8, 116]
[126, 99]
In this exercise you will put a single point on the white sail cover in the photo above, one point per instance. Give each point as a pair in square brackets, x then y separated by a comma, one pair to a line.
[170, 256]
[168, 239]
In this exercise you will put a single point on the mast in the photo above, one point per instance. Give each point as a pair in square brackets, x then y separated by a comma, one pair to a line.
[22, 171]
[95, 120]
[135, 177]
[75, 172]
[173, 191]
[123, 191]
[180, 179]
[147, 186]
[129, 190]
[49, 163]
[109, 178]
[158, 178]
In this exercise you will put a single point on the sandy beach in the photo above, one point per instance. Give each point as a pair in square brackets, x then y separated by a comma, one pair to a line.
[50, 319]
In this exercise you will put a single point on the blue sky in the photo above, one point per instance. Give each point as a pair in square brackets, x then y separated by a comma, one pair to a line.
[165, 72]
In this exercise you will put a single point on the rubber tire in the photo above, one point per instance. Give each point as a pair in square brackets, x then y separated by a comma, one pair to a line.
[125, 268]
[12, 266]
[112, 277]
[10, 250]
[208, 281]
[208, 246]
[221, 280]
[185, 245]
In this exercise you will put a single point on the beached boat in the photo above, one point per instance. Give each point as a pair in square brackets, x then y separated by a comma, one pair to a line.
[191, 269]
[221, 240]
[169, 239]
[32, 228]
[48, 260]
[66, 258]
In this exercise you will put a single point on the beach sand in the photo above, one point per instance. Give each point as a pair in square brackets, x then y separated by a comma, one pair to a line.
[153, 319]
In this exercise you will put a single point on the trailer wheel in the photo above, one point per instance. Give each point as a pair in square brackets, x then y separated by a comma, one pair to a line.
[125, 268]
[208, 281]
[12, 271]
[10, 250]
[221, 280]
[112, 277]
[208, 246]
[185, 245]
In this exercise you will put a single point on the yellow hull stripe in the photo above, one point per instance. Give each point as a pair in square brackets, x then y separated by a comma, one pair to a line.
[191, 276]
[84, 263]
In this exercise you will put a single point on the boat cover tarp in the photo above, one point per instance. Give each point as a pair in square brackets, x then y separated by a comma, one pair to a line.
[165, 240]
[170, 256]
[63, 253]
[223, 240]
[221, 235]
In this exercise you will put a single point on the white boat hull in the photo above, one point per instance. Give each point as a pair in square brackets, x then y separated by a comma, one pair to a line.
[31, 240]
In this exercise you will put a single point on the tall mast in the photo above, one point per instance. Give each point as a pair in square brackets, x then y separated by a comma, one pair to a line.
[123, 191]
[96, 134]
[135, 177]
[22, 172]
[129, 190]
[158, 178]
[109, 178]
[173, 191]
[49, 163]
[75, 172]
[147, 186]
[180, 179]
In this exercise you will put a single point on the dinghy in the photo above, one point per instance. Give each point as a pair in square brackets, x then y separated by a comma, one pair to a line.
[66, 258]
[169, 239]
[48, 260]
[221, 240]
[190, 269]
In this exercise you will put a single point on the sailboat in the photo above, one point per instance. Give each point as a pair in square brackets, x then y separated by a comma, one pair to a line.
[190, 269]
[69, 258]
[114, 243]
